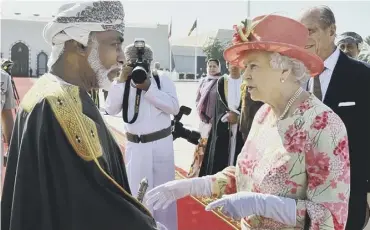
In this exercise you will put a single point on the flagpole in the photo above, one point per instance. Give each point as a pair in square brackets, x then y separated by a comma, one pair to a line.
[170, 46]
[170, 56]
[196, 47]
[249, 9]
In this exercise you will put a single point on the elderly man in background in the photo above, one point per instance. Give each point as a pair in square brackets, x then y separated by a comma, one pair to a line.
[343, 86]
[350, 44]
[146, 110]
[65, 170]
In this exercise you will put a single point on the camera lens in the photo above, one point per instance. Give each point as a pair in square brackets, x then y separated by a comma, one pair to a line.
[139, 75]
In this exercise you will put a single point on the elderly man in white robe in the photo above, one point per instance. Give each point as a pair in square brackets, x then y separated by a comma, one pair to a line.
[149, 151]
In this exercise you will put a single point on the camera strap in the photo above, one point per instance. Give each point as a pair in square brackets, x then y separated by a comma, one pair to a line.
[157, 80]
[137, 100]
[125, 103]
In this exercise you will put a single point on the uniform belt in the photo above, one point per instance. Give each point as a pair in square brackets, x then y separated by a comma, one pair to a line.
[149, 137]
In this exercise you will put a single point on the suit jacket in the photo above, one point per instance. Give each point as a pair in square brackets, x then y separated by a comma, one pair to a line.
[350, 82]
[348, 95]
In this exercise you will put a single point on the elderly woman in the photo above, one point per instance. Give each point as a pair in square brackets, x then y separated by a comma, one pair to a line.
[293, 171]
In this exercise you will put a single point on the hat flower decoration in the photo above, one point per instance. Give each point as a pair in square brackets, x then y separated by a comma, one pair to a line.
[242, 31]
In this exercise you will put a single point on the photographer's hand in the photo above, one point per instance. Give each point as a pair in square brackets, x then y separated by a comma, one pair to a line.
[125, 72]
[145, 85]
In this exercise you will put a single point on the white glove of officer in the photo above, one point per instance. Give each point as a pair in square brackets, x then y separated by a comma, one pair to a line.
[163, 195]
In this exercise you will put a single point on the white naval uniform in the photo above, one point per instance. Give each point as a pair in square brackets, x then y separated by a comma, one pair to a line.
[153, 160]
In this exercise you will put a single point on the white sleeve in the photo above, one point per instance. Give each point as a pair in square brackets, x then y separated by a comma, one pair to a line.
[113, 103]
[165, 98]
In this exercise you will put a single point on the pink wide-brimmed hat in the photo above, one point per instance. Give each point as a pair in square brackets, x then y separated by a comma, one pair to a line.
[276, 34]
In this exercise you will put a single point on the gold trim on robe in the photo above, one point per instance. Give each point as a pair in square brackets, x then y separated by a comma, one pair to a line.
[80, 130]
[67, 107]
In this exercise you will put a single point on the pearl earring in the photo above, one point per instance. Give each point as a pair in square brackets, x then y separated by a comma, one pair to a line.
[282, 80]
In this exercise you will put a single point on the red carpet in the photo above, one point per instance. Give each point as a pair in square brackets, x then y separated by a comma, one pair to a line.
[191, 213]
[190, 210]
[23, 84]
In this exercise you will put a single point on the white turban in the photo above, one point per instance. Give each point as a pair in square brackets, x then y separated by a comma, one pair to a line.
[75, 21]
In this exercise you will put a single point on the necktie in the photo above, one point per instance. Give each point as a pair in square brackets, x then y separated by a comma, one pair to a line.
[317, 87]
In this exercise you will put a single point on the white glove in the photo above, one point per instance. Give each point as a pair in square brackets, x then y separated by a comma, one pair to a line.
[163, 195]
[243, 204]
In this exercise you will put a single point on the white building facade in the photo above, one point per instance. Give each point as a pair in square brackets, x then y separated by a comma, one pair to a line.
[186, 49]
[23, 43]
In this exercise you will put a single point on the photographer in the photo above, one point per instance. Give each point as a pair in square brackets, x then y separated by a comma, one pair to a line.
[146, 102]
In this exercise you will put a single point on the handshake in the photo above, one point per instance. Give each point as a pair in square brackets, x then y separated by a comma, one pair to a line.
[163, 195]
[237, 206]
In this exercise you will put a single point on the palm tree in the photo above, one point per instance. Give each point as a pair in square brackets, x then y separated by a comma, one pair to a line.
[367, 40]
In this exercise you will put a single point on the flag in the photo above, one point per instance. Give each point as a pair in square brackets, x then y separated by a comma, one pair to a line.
[170, 31]
[193, 27]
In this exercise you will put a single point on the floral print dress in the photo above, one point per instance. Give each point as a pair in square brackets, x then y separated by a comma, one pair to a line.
[304, 157]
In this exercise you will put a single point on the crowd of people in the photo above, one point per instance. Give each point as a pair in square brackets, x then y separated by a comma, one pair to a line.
[283, 135]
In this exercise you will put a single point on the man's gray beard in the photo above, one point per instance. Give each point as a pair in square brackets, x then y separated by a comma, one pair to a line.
[96, 65]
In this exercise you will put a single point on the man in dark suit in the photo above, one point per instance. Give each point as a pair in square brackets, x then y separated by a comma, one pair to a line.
[344, 87]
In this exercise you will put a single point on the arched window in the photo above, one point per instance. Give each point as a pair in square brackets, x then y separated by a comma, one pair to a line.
[42, 67]
[20, 57]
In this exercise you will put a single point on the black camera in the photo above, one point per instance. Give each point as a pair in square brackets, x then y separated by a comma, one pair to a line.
[178, 129]
[141, 65]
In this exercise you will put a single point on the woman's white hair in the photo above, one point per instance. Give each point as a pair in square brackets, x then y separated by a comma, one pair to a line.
[299, 70]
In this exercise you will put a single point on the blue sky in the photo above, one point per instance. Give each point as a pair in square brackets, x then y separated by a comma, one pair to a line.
[350, 15]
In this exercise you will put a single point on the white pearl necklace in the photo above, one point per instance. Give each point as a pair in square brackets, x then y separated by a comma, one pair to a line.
[290, 103]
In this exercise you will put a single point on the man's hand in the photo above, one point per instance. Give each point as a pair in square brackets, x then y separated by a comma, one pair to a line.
[125, 72]
[232, 118]
[145, 85]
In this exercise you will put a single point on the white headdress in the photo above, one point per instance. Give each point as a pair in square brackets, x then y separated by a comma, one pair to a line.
[75, 21]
